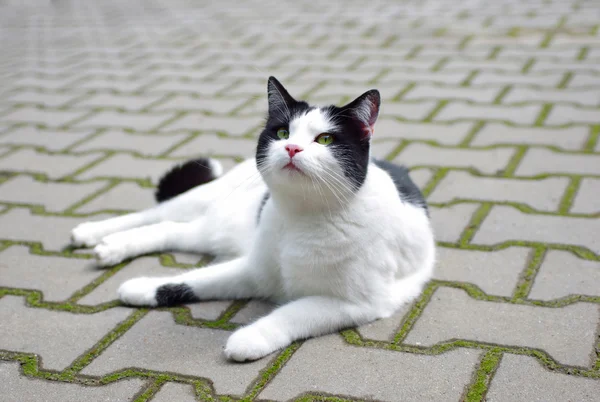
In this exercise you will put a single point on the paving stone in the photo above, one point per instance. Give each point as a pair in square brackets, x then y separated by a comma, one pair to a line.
[486, 161]
[475, 94]
[523, 378]
[563, 274]
[121, 85]
[254, 310]
[235, 127]
[421, 177]
[29, 96]
[34, 330]
[396, 77]
[456, 111]
[55, 197]
[44, 83]
[587, 200]
[507, 223]
[57, 277]
[539, 161]
[200, 348]
[582, 97]
[571, 138]
[54, 166]
[496, 272]
[548, 80]
[411, 111]
[384, 329]
[465, 64]
[30, 389]
[446, 134]
[188, 86]
[52, 231]
[128, 166]
[123, 197]
[208, 310]
[382, 148]
[49, 139]
[211, 144]
[50, 118]
[205, 104]
[567, 333]
[143, 266]
[565, 114]
[172, 391]
[448, 223]
[126, 102]
[148, 145]
[544, 195]
[381, 375]
[134, 121]
[582, 80]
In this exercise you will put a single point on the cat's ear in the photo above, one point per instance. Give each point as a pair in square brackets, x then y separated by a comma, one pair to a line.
[280, 100]
[365, 109]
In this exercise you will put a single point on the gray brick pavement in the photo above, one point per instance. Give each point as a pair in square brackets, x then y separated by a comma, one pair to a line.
[495, 106]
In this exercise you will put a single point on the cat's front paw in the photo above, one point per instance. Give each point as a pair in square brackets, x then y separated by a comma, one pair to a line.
[86, 234]
[140, 291]
[248, 343]
[112, 250]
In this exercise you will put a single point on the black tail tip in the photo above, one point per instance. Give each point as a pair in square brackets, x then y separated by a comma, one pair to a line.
[186, 176]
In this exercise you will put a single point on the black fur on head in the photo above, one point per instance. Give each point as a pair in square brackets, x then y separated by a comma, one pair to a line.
[354, 121]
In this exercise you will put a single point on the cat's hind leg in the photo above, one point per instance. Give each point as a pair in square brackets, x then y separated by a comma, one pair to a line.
[163, 236]
[234, 279]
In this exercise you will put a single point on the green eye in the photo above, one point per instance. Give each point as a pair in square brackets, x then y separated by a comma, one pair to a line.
[283, 134]
[324, 139]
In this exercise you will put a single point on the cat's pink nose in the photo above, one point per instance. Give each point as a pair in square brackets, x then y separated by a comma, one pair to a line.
[293, 149]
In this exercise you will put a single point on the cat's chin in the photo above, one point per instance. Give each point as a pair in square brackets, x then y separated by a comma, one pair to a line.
[293, 169]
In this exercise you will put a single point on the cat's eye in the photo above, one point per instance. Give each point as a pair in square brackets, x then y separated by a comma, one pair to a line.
[283, 134]
[324, 139]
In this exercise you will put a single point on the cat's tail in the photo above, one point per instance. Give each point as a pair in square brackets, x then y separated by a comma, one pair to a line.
[186, 176]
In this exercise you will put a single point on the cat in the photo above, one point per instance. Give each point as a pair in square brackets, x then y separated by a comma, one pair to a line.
[313, 223]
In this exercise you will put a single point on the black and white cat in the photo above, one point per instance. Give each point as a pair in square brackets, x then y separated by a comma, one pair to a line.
[336, 238]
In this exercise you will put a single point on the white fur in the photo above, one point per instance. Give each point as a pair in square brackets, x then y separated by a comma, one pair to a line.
[332, 257]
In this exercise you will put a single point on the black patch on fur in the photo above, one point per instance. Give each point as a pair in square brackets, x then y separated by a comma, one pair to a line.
[172, 295]
[407, 189]
[263, 202]
[183, 178]
[350, 146]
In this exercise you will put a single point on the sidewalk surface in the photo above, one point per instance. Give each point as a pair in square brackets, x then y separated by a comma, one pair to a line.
[495, 106]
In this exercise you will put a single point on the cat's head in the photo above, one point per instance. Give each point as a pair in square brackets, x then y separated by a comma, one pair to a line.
[316, 151]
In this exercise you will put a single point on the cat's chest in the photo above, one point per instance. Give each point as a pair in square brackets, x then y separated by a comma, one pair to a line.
[313, 260]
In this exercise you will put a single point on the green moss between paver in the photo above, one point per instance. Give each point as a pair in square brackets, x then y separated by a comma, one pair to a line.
[483, 376]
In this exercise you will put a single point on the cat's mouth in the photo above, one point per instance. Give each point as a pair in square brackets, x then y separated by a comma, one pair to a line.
[292, 167]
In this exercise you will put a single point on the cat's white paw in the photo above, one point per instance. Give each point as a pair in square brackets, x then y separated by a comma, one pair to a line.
[248, 344]
[109, 253]
[86, 234]
[140, 291]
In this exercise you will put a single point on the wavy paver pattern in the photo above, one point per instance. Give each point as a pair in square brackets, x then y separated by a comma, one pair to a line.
[495, 107]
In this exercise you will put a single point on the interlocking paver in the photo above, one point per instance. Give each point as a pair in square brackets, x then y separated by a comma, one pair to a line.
[160, 333]
[522, 378]
[587, 199]
[540, 161]
[567, 333]
[571, 138]
[123, 197]
[49, 139]
[544, 195]
[486, 161]
[377, 377]
[54, 166]
[34, 330]
[493, 105]
[120, 140]
[563, 274]
[496, 272]
[24, 389]
[507, 223]
[56, 277]
[175, 392]
[54, 197]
